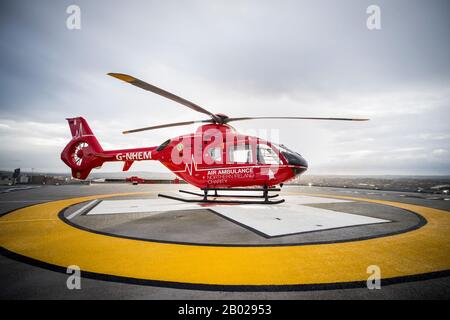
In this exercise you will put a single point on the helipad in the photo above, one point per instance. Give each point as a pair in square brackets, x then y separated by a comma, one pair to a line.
[319, 241]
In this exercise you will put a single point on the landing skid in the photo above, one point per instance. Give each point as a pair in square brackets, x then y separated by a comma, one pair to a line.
[230, 195]
[216, 196]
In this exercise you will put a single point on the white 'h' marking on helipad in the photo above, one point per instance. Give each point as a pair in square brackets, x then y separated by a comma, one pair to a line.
[293, 216]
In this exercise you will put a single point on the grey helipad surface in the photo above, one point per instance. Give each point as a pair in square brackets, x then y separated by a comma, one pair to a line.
[202, 225]
[291, 217]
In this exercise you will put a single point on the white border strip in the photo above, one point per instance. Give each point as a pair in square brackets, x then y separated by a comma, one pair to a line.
[82, 209]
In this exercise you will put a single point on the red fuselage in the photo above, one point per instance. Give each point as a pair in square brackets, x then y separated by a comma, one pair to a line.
[215, 156]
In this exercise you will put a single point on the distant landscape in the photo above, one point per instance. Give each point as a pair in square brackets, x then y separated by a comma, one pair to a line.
[428, 184]
[437, 184]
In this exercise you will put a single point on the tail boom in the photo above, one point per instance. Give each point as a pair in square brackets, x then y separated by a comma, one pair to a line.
[84, 153]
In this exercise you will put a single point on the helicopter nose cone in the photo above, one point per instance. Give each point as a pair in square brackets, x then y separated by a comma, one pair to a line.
[296, 160]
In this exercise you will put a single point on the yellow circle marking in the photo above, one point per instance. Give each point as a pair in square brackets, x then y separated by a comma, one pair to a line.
[38, 233]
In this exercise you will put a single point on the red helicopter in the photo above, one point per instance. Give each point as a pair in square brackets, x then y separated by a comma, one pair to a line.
[214, 158]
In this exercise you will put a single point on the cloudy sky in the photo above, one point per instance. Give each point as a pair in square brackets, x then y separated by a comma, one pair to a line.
[241, 58]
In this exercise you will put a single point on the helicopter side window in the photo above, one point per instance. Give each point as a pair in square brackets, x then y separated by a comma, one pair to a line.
[215, 154]
[240, 154]
[266, 155]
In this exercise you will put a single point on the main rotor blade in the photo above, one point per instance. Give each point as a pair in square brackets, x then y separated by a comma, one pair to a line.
[147, 86]
[294, 118]
[175, 124]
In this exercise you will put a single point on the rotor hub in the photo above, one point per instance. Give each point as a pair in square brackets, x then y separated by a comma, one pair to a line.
[221, 118]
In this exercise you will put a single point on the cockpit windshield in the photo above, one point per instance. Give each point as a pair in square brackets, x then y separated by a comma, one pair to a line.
[282, 147]
[292, 157]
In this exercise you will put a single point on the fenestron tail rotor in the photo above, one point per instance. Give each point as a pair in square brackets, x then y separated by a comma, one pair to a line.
[215, 118]
[78, 153]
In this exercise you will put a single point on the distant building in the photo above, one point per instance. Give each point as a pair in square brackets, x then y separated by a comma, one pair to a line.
[24, 179]
[442, 188]
[6, 179]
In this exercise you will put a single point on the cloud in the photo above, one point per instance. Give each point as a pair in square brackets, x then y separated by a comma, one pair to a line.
[440, 152]
[241, 58]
